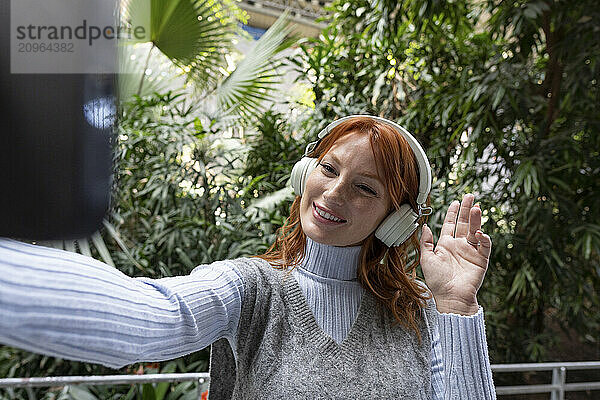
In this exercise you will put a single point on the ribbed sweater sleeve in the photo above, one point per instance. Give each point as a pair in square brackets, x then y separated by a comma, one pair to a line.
[64, 304]
[460, 361]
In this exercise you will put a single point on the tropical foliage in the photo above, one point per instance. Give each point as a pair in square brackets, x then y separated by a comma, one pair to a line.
[504, 96]
[196, 39]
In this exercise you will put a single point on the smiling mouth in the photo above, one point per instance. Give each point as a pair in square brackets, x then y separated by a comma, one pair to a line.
[327, 217]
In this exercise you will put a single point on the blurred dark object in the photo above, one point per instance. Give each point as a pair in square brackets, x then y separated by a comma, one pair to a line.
[55, 155]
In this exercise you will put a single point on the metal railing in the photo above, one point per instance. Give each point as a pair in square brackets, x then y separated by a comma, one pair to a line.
[201, 378]
[556, 388]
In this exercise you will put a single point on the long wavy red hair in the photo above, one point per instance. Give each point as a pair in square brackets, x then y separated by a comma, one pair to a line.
[388, 273]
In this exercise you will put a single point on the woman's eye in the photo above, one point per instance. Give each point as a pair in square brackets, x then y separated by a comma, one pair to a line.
[328, 168]
[368, 189]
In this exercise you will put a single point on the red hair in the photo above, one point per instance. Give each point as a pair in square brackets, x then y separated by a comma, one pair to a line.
[388, 273]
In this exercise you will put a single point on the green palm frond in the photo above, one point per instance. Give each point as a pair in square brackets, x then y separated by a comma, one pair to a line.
[82, 245]
[255, 77]
[131, 67]
[194, 34]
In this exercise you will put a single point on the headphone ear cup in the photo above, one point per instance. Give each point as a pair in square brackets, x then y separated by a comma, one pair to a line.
[398, 226]
[300, 173]
[403, 237]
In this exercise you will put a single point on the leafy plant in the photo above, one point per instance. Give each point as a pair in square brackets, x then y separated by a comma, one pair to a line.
[197, 37]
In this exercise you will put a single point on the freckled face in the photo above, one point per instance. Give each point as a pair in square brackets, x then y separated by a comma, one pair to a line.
[344, 201]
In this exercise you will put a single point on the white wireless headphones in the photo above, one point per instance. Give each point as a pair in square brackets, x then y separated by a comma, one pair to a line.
[397, 227]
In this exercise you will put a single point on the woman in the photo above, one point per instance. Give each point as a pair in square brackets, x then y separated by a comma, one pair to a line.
[332, 310]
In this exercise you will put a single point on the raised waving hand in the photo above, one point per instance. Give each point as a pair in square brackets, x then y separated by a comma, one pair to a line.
[454, 268]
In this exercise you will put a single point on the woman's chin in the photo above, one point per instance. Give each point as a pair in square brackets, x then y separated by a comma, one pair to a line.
[320, 237]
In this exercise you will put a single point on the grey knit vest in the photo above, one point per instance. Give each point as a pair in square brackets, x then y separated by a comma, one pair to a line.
[283, 354]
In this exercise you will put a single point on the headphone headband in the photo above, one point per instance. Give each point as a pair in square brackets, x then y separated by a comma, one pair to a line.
[422, 161]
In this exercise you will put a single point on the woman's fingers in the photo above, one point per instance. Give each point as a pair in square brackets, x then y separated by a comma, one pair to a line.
[474, 225]
[462, 225]
[450, 220]
[426, 239]
[485, 244]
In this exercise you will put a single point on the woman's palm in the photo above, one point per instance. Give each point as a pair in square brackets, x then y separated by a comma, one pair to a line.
[454, 268]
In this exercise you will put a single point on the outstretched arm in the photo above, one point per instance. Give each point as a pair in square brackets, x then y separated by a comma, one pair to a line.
[71, 306]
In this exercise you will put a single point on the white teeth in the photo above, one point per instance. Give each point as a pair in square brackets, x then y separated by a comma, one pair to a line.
[326, 215]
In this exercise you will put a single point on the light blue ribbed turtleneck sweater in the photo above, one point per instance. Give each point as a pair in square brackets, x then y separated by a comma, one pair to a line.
[327, 277]
[64, 304]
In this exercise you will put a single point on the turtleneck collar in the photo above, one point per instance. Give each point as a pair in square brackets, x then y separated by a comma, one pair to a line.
[331, 261]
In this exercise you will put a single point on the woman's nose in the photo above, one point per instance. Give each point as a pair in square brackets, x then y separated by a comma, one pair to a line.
[336, 192]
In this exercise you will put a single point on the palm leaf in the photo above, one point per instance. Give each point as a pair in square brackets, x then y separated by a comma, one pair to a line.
[194, 34]
[114, 233]
[255, 77]
[164, 75]
[84, 247]
[98, 242]
[102, 249]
